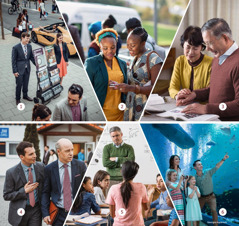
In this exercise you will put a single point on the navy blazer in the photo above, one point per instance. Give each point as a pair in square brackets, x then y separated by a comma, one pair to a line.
[14, 191]
[97, 71]
[18, 58]
[57, 50]
[52, 185]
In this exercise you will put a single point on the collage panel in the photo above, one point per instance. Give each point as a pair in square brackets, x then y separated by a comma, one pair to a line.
[123, 185]
[199, 163]
[202, 86]
[125, 44]
[41, 72]
[34, 175]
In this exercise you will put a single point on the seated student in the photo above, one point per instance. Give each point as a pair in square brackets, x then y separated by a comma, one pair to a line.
[126, 198]
[173, 218]
[160, 203]
[101, 183]
[85, 201]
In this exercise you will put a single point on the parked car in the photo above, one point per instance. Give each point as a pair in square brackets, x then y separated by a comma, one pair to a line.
[47, 36]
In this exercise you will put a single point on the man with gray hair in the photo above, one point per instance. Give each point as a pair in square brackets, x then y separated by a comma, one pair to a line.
[223, 93]
[115, 154]
[62, 180]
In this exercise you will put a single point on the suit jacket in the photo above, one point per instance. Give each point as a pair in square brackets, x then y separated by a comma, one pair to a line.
[89, 157]
[45, 159]
[76, 37]
[18, 58]
[14, 191]
[52, 185]
[62, 111]
[97, 72]
[57, 50]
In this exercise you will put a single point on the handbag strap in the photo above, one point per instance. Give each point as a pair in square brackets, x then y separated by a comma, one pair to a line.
[147, 63]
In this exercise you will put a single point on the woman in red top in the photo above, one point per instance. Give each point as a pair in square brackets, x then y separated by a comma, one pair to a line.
[61, 52]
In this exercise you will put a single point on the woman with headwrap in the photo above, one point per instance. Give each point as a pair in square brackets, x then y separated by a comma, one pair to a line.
[104, 68]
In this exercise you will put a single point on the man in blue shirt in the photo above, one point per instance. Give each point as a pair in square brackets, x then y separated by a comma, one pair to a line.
[23, 187]
[205, 184]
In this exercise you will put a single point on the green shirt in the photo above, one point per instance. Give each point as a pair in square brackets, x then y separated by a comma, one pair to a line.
[123, 154]
[204, 182]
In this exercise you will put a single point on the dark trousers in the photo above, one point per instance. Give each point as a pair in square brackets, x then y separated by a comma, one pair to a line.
[60, 219]
[22, 84]
[41, 14]
[32, 216]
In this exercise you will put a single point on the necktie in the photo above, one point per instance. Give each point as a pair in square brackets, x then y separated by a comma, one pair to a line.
[31, 194]
[67, 189]
[25, 51]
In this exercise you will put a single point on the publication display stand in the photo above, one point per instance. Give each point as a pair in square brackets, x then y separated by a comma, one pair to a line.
[48, 80]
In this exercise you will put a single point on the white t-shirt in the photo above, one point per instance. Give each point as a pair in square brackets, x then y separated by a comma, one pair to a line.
[99, 195]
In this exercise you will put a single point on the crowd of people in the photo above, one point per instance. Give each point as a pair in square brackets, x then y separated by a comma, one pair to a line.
[199, 78]
[191, 192]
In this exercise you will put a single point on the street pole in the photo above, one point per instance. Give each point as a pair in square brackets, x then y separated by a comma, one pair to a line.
[155, 21]
[1, 20]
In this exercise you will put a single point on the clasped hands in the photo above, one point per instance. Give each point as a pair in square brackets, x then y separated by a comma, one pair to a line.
[186, 97]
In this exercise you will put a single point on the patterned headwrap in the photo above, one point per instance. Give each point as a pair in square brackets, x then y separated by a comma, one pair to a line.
[108, 32]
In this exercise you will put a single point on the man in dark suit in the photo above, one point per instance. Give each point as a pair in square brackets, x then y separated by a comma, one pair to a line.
[21, 56]
[46, 155]
[90, 154]
[62, 180]
[23, 187]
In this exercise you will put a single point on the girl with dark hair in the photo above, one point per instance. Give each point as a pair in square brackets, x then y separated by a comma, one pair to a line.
[142, 74]
[85, 201]
[101, 183]
[105, 68]
[40, 112]
[176, 193]
[110, 22]
[191, 70]
[126, 199]
[62, 53]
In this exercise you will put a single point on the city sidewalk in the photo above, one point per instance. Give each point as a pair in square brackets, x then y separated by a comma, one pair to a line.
[8, 108]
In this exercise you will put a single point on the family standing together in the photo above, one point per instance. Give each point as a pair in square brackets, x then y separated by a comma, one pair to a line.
[190, 193]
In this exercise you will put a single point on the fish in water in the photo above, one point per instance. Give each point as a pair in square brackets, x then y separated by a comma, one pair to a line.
[232, 139]
[211, 143]
[226, 130]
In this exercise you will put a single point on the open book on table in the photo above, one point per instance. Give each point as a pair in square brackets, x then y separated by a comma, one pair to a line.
[104, 212]
[84, 218]
[177, 115]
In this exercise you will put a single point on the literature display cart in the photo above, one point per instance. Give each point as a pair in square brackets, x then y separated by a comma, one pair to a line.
[48, 80]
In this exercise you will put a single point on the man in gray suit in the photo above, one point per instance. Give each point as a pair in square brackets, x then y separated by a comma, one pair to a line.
[72, 109]
[23, 187]
[21, 56]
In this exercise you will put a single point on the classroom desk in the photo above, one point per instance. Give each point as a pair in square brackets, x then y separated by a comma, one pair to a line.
[106, 220]
[164, 214]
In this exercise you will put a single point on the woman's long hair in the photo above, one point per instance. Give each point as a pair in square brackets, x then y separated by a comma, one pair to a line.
[129, 171]
[100, 176]
[79, 199]
[171, 162]
[57, 36]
